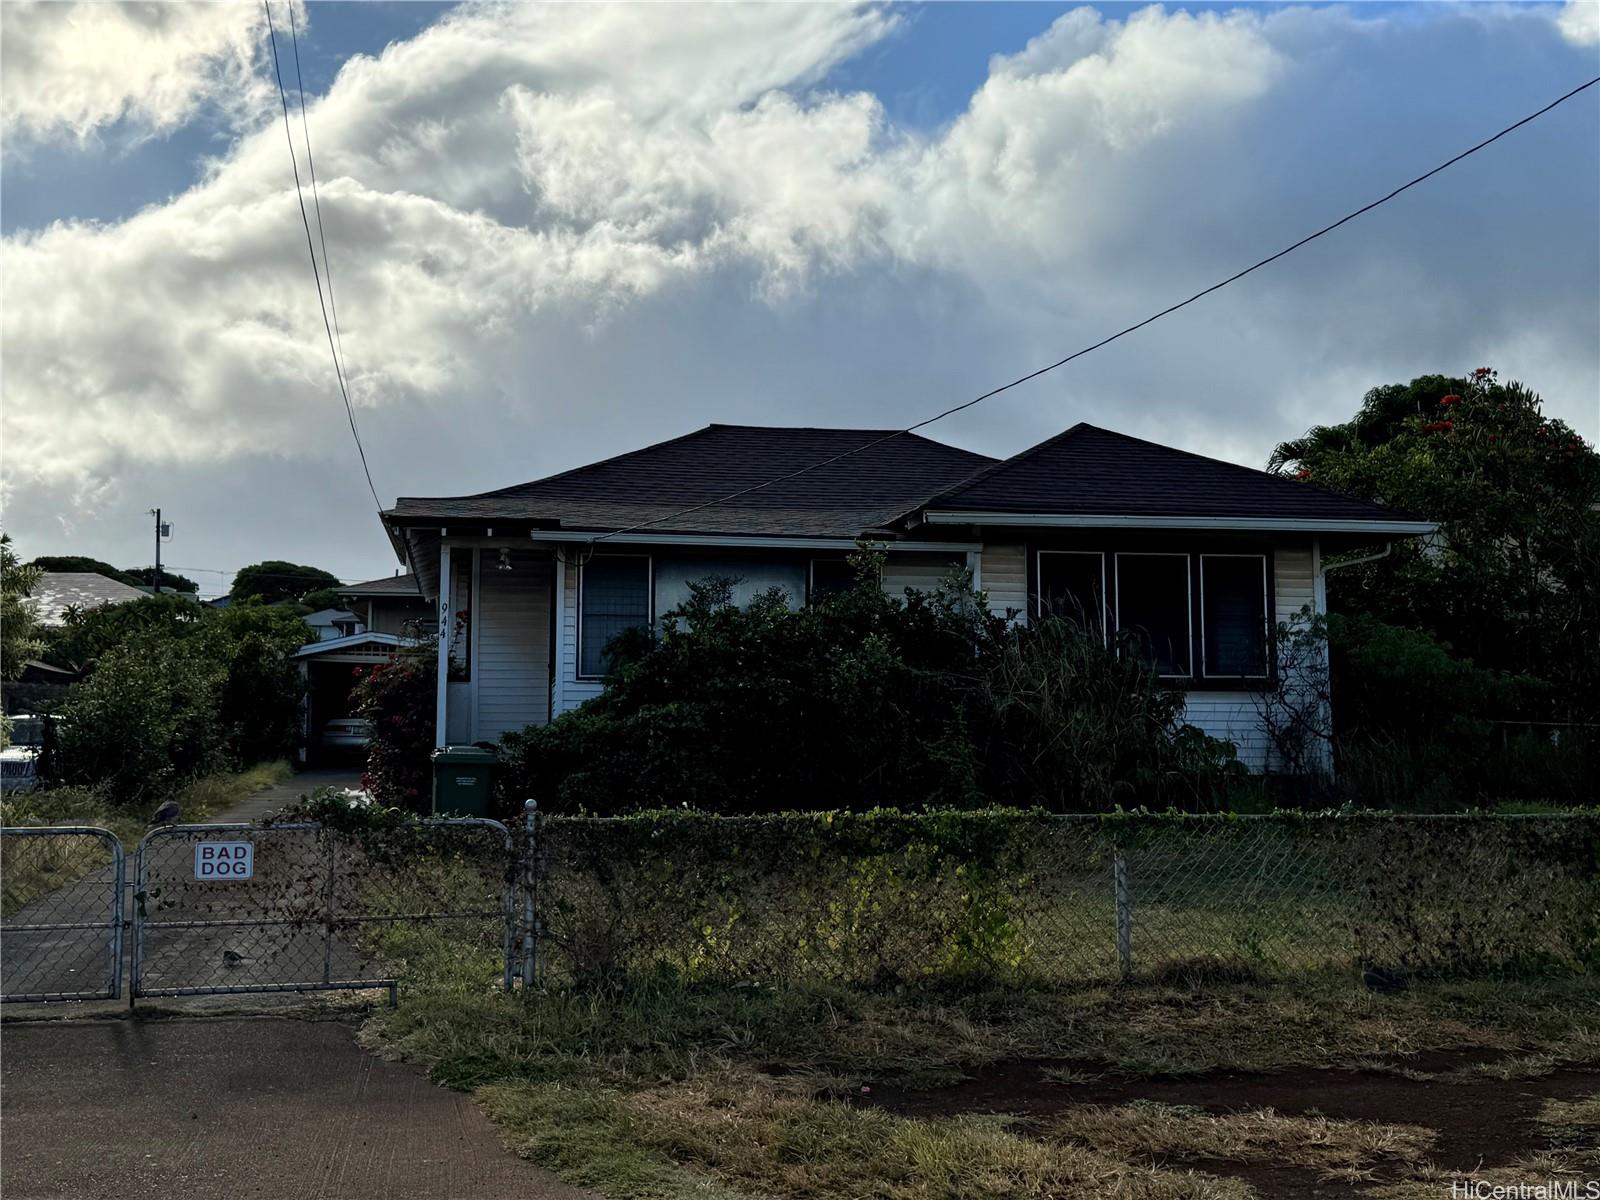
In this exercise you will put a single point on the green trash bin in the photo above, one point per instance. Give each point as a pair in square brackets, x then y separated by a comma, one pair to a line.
[463, 777]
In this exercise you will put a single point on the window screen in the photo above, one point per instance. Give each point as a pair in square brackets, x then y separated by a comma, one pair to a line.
[1233, 591]
[616, 596]
[1072, 586]
[1153, 608]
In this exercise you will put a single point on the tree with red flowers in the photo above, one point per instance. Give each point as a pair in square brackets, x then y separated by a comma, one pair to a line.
[1512, 579]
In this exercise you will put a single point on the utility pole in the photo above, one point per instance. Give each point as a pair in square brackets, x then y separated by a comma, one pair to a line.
[160, 530]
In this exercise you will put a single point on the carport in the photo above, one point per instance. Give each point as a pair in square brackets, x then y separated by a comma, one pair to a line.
[329, 670]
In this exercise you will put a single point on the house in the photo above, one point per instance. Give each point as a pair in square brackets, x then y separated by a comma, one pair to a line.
[57, 591]
[330, 623]
[393, 604]
[1196, 557]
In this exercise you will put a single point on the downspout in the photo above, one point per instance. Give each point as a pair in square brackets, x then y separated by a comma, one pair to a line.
[1356, 562]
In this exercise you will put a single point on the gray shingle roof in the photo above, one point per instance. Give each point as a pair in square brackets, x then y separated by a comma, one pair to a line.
[1083, 471]
[843, 499]
[1087, 470]
[58, 591]
[387, 585]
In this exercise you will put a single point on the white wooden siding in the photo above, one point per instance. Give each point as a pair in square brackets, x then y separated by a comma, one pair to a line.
[924, 572]
[1235, 715]
[1005, 578]
[512, 652]
[572, 690]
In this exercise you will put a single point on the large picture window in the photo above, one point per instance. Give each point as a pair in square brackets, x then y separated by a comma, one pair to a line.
[613, 595]
[1233, 615]
[1072, 586]
[1153, 608]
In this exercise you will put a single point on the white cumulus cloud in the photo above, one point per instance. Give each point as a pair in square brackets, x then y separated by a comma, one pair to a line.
[71, 69]
[560, 232]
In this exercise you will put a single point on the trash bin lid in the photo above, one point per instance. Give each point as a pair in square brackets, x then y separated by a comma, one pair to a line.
[463, 754]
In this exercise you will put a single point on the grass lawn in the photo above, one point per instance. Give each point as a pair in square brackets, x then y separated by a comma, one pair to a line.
[1187, 1087]
[34, 867]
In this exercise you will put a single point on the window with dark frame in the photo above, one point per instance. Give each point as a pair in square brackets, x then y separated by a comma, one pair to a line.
[1233, 616]
[830, 577]
[614, 595]
[1072, 586]
[1153, 609]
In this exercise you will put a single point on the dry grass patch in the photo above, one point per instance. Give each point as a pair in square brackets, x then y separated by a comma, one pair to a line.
[773, 1138]
[1143, 1131]
[1573, 1126]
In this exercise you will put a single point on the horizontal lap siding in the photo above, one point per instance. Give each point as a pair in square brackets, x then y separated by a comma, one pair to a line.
[1004, 575]
[573, 691]
[923, 572]
[1236, 715]
[513, 668]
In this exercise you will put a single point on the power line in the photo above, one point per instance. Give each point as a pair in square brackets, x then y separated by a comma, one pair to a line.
[1061, 362]
[316, 274]
[316, 201]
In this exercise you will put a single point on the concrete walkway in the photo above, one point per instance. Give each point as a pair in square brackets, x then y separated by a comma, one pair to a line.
[233, 1108]
[281, 795]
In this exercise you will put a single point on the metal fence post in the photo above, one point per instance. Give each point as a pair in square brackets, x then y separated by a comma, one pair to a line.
[530, 881]
[1123, 885]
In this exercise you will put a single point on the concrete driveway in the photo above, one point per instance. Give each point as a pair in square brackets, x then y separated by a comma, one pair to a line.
[238, 1107]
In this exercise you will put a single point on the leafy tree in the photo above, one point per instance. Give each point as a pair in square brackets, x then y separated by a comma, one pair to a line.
[86, 634]
[1512, 580]
[274, 580]
[20, 637]
[322, 598]
[79, 563]
[178, 689]
[170, 580]
[144, 721]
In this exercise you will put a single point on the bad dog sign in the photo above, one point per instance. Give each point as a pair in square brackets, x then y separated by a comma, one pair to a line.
[223, 861]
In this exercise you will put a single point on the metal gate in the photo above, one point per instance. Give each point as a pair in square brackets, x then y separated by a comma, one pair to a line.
[302, 907]
[60, 914]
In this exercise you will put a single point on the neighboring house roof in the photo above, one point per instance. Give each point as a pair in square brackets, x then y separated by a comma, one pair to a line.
[356, 643]
[843, 499]
[404, 586]
[1091, 471]
[330, 616]
[58, 591]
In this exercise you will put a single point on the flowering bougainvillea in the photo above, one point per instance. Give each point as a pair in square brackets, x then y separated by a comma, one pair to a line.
[399, 698]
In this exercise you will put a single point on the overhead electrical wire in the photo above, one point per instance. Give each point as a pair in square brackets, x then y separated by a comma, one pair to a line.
[316, 200]
[316, 273]
[1106, 341]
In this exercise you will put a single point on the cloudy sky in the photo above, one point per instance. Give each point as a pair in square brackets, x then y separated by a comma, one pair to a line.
[558, 233]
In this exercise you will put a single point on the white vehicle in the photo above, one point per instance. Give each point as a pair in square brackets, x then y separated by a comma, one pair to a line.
[19, 761]
[345, 733]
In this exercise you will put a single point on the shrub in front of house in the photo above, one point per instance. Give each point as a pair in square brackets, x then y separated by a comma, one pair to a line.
[399, 699]
[858, 701]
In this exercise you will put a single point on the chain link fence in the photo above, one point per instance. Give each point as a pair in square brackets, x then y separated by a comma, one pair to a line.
[61, 907]
[883, 898]
[853, 899]
[300, 907]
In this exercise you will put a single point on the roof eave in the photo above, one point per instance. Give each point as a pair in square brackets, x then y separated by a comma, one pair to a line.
[1387, 527]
